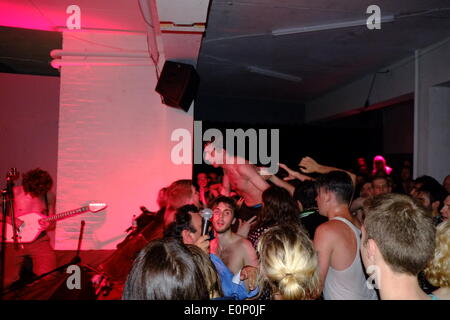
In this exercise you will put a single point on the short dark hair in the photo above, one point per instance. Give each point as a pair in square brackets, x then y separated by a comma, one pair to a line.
[425, 180]
[183, 221]
[435, 191]
[337, 182]
[306, 193]
[222, 199]
[382, 178]
[37, 182]
[402, 229]
[165, 270]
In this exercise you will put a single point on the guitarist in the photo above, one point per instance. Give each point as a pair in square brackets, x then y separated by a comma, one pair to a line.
[32, 196]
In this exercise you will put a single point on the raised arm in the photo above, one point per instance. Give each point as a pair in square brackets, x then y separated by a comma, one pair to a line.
[309, 165]
[225, 190]
[283, 184]
[292, 174]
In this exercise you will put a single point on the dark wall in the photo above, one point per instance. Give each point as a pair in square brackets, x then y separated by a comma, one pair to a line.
[340, 142]
[247, 111]
[29, 117]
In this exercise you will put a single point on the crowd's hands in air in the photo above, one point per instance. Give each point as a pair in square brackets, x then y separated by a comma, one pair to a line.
[309, 165]
[292, 175]
[245, 226]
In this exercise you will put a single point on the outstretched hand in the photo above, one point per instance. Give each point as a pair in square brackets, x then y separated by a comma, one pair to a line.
[309, 165]
[292, 175]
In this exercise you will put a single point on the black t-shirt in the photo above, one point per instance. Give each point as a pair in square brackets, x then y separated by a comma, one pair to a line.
[311, 219]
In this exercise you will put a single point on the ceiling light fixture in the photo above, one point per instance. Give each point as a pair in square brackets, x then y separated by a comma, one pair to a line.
[330, 26]
[273, 74]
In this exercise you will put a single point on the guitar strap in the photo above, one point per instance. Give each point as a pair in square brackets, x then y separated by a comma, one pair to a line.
[46, 204]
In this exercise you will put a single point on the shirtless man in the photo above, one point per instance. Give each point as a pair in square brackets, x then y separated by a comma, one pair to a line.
[244, 178]
[32, 196]
[234, 250]
[187, 228]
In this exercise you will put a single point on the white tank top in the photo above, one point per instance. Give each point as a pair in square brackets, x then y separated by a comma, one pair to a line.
[348, 284]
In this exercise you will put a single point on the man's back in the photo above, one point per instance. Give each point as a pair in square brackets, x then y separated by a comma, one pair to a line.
[345, 278]
[245, 179]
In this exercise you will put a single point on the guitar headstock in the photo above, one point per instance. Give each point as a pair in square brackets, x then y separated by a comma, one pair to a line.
[97, 206]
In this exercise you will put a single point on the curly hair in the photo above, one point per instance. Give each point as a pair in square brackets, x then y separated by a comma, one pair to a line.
[437, 271]
[288, 263]
[37, 182]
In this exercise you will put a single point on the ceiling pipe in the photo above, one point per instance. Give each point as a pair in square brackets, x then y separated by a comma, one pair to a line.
[149, 13]
[57, 63]
[58, 53]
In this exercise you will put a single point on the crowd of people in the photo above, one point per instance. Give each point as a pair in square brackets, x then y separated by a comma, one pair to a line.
[315, 233]
[318, 232]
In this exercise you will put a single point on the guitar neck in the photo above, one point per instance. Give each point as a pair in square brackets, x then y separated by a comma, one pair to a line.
[67, 214]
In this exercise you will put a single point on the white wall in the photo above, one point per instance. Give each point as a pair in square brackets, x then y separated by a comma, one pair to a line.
[432, 116]
[435, 161]
[114, 139]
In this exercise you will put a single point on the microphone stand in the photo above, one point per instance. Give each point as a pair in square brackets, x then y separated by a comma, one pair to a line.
[3, 242]
[7, 195]
[75, 260]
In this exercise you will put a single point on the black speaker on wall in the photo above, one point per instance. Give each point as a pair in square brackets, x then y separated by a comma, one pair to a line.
[178, 84]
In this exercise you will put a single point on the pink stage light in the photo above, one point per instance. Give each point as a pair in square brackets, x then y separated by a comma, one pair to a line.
[26, 16]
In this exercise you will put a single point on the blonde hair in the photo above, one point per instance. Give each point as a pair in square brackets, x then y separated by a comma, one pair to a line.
[288, 263]
[437, 271]
[208, 270]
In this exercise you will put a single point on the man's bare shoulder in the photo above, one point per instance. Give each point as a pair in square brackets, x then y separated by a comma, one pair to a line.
[241, 241]
[246, 167]
[328, 230]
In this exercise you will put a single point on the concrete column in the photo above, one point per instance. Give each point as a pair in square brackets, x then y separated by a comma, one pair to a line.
[432, 111]
[114, 141]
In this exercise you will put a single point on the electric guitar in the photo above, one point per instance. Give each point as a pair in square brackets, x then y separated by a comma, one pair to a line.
[28, 227]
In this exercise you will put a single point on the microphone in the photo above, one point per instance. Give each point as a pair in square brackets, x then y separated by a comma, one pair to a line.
[206, 215]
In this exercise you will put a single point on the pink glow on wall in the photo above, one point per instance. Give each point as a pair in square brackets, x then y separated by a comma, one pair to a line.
[24, 15]
[114, 141]
[51, 15]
